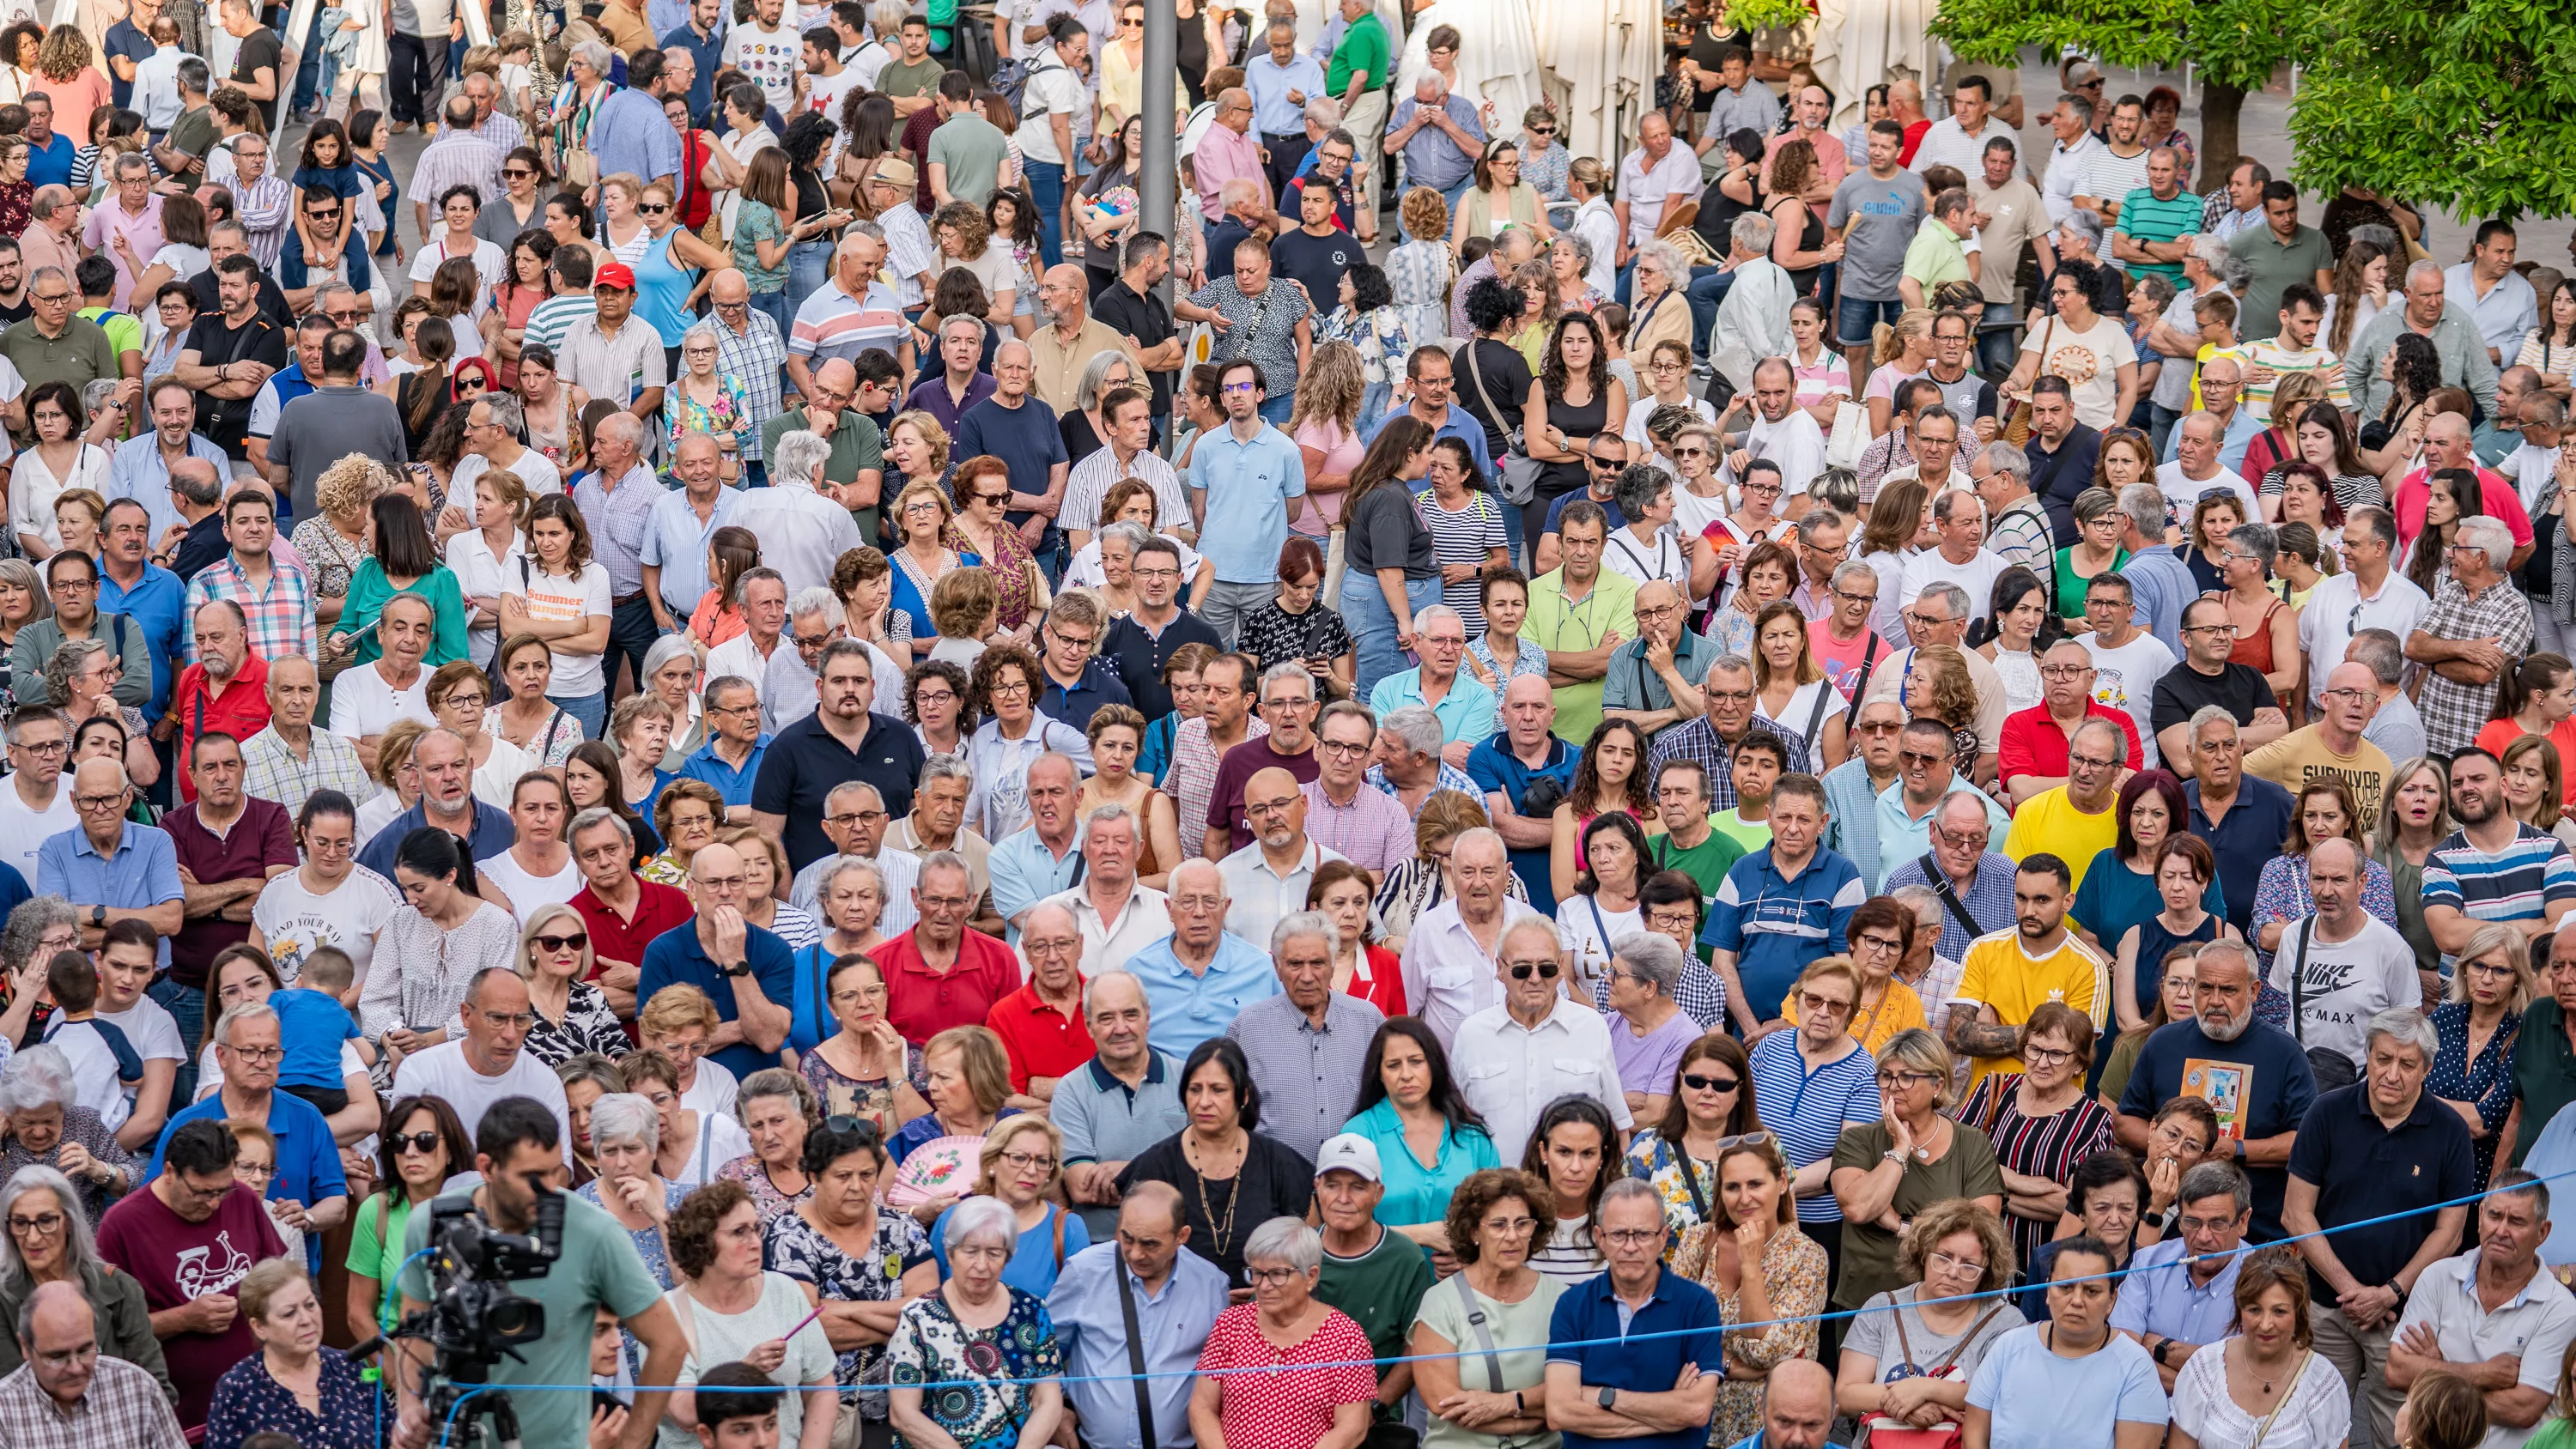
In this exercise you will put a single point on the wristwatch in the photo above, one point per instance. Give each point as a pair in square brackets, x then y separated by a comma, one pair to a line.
[2158, 1352]
[739, 968]
[98, 915]
[1609, 1396]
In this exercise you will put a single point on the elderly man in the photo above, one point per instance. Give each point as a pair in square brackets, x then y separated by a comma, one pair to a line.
[1041, 1024]
[940, 973]
[188, 1240]
[1930, 440]
[2264, 1074]
[310, 1190]
[1461, 702]
[1122, 1101]
[1634, 1355]
[2033, 754]
[817, 618]
[1959, 519]
[2196, 454]
[1974, 883]
[1939, 614]
[855, 821]
[1232, 156]
[2243, 820]
[1043, 858]
[487, 1060]
[445, 766]
[2341, 966]
[2449, 442]
[146, 470]
[51, 243]
[1448, 958]
[2429, 314]
[1270, 878]
[1653, 180]
[128, 225]
[110, 867]
[1780, 906]
[1409, 764]
[2333, 747]
[841, 740]
[2449, 1326]
[2495, 869]
[226, 690]
[1372, 1273]
[2398, 1224]
[1199, 978]
[2180, 1294]
[1306, 1040]
[1070, 339]
[2208, 678]
[1653, 680]
[1288, 708]
[730, 758]
[1852, 788]
[1113, 914]
[623, 912]
[1343, 813]
[1709, 740]
[1438, 134]
[2478, 625]
[1504, 769]
[616, 503]
[228, 846]
[2544, 1078]
[826, 470]
[66, 1393]
[1535, 1044]
[1135, 1298]
[1937, 255]
[853, 312]
[1926, 776]
[744, 969]
[289, 759]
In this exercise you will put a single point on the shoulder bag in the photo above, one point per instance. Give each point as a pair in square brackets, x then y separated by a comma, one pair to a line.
[2331, 1068]
[1519, 470]
[1949, 894]
[1485, 1349]
[1135, 1351]
[2017, 426]
[1883, 1431]
[1850, 437]
[1860, 688]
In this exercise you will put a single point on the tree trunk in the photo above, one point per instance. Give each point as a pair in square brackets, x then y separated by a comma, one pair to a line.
[2220, 108]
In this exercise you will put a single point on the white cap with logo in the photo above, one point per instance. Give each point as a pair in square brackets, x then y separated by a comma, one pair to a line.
[1349, 1152]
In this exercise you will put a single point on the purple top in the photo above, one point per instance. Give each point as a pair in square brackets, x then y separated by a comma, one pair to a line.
[1647, 1063]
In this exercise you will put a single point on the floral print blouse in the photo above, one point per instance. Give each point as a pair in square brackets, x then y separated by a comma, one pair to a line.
[1793, 1274]
[248, 1401]
[729, 413]
[331, 557]
[987, 1372]
[796, 1248]
[1009, 565]
[2282, 895]
[850, 1097]
[1382, 337]
[766, 1198]
[1672, 1172]
[1419, 273]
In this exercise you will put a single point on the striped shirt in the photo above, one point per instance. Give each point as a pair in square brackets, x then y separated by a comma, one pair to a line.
[2285, 360]
[834, 324]
[554, 316]
[753, 358]
[2517, 883]
[1808, 1110]
[1091, 479]
[2144, 217]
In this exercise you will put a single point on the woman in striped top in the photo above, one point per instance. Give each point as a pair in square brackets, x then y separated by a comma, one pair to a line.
[1466, 522]
[2040, 1121]
[1573, 1150]
[1812, 1082]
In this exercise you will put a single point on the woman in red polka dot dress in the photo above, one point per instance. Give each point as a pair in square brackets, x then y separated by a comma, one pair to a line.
[1243, 1399]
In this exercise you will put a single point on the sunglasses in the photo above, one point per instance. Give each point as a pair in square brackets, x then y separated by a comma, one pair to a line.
[650, 208]
[423, 1143]
[1698, 1083]
[577, 941]
[1546, 970]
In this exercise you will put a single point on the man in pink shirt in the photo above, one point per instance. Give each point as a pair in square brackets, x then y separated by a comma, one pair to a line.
[2447, 445]
[1226, 153]
[49, 238]
[1812, 108]
[127, 229]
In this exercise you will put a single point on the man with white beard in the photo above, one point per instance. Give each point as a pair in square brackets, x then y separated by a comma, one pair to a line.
[2255, 1075]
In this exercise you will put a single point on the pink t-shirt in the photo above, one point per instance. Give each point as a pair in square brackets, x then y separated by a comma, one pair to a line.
[1318, 512]
[2501, 499]
[1842, 661]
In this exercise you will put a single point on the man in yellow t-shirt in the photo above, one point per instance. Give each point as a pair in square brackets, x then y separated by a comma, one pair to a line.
[2010, 974]
[2332, 749]
[2078, 820]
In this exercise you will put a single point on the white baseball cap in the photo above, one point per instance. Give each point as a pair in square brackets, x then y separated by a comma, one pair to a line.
[1349, 1152]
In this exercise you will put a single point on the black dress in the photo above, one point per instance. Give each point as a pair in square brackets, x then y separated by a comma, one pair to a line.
[1811, 237]
[1081, 439]
[1274, 1182]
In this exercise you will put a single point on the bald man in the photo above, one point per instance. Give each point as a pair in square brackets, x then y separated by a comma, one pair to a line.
[1041, 1026]
[1072, 337]
[2332, 748]
[1268, 878]
[746, 970]
[1134, 1271]
[1016, 427]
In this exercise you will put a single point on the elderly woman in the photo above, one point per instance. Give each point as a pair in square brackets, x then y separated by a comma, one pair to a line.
[543, 729]
[2477, 1025]
[1266, 320]
[1880, 935]
[459, 694]
[680, 1022]
[577, 102]
[1002, 691]
[425, 1146]
[572, 1016]
[640, 730]
[686, 813]
[966, 1079]
[1428, 1139]
[1416, 885]
[861, 1263]
[625, 1130]
[765, 875]
[81, 680]
[2225, 1398]
[731, 1308]
[2040, 1122]
[1325, 1403]
[1229, 1175]
[703, 400]
[334, 540]
[672, 674]
[55, 1245]
[1649, 1031]
[1021, 1167]
[1763, 1270]
[2324, 811]
[1496, 1309]
[1907, 1358]
[1817, 1080]
[777, 1109]
[982, 531]
[692, 1141]
[293, 1385]
[980, 1329]
[1890, 1169]
[1658, 312]
[47, 1126]
[848, 910]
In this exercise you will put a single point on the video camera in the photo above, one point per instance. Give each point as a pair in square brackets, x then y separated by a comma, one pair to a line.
[473, 1318]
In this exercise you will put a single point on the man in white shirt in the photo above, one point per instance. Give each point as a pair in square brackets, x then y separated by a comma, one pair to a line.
[2127, 660]
[2448, 1325]
[1116, 916]
[1781, 432]
[763, 597]
[36, 806]
[802, 533]
[1959, 517]
[1959, 139]
[1449, 958]
[2072, 155]
[2117, 168]
[1653, 179]
[488, 1062]
[1535, 1045]
[365, 700]
[2197, 469]
[2369, 594]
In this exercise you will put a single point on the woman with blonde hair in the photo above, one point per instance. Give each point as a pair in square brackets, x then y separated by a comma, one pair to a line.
[2477, 1025]
[765, 876]
[1897, 352]
[486, 554]
[1022, 1168]
[335, 540]
[923, 556]
[67, 71]
[1763, 1269]
[1911, 1157]
[1420, 268]
[2414, 818]
[77, 514]
[967, 1082]
[621, 201]
[1938, 687]
[270, 1386]
[572, 1017]
[1324, 423]
[1416, 885]
[964, 236]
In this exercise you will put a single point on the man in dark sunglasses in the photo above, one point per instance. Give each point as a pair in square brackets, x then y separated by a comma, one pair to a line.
[1534, 1046]
[489, 1059]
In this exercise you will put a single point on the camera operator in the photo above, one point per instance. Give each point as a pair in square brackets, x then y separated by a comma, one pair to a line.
[519, 1152]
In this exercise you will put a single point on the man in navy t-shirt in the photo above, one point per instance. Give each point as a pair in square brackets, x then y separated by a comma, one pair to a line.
[2254, 1075]
[747, 972]
[1618, 1344]
[1013, 426]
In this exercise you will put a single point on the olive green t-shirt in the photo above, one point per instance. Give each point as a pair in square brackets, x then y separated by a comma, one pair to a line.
[903, 79]
[1968, 1169]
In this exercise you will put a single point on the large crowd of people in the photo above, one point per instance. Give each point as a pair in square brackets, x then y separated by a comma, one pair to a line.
[1575, 799]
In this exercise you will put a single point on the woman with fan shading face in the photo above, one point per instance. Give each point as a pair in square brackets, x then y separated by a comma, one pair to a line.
[967, 1077]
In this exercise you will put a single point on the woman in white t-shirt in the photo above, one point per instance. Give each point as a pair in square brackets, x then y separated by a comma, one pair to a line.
[329, 900]
[486, 555]
[561, 595]
[538, 869]
[2090, 351]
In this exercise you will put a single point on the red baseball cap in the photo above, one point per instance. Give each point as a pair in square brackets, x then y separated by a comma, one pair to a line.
[614, 274]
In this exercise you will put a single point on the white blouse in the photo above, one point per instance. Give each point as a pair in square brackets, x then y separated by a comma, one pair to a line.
[33, 489]
[2315, 1413]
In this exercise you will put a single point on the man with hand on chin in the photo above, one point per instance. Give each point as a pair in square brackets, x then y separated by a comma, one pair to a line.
[745, 970]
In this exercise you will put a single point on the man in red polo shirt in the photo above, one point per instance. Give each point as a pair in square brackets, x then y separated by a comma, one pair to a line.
[230, 846]
[621, 910]
[226, 689]
[940, 974]
[1041, 1024]
[2032, 754]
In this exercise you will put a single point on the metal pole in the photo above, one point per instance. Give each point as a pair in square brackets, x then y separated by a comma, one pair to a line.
[1162, 113]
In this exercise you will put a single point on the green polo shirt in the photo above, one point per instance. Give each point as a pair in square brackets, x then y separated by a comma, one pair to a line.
[2143, 218]
[2276, 265]
[2544, 1072]
[904, 80]
[1363, 48]
[1610, 606]
[856, 444]
[1936, 255]
[81, 355]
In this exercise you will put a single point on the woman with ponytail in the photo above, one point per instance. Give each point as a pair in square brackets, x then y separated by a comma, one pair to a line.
[445, 932]
[2538, 698]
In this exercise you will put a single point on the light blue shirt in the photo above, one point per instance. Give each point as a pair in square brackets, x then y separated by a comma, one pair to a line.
[1460, 424]
[158, 606]
[1273, 114]
[1248, 486]
[2159, 1297]
[2241, 430]
[143, 873]
[1025, 872]
[1466, 712]
[138, 473]
[627, 140]
[676, 543]
[1851, 829]
[1091, 1327]
[704, 764]
[2078, 1403]
[1901, 838]
[1187, 1008]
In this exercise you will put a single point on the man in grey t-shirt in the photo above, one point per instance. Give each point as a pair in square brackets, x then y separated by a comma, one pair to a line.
[1876, 213]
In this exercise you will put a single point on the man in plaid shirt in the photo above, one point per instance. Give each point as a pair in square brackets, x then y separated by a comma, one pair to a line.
[2479, 624]
[290, 759]
[71, 1396]
[274, 595]
[750, 351]
[1709, 741]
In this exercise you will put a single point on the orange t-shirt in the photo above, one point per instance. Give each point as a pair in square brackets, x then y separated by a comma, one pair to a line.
[2502, 732]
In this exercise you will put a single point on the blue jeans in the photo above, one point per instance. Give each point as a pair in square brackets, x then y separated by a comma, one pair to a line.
[590, 709]
[1046, 189]
[1854, 317]
[187, 1007]
[308, 74]
[1707, 288]
[774, 304]
[1276, 408]
[809, 266]
[1372, 625]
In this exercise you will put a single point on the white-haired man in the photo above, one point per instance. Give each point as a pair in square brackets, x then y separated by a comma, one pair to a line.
[803, 534]
[1201, 976]
[1307, 1040]
[1534, 1045]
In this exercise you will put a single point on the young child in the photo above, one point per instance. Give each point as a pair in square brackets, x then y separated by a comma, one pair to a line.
[2215, 311]
[737, 1408]
[106, 1069]
[312, 1020]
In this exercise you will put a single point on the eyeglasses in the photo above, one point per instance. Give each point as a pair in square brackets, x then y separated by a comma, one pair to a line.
[1631, 1237]
[40, 1223]
[1906, 1081]
[1941, 1259]
[256, 1056]
[1023, 1161]
[1816, 1005]
[2046, 1056]
[1521, 970]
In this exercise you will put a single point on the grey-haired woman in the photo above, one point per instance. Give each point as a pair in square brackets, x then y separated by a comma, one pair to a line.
[47, 1127]
[49, 1241]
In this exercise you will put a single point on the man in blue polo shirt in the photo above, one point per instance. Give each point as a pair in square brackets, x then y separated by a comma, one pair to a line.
[1460, 701]
[1781, 907]
[1633, 1356]
[1243, 476]
[309, 1175]
[1505, 766]
[447, 801]
[1197, 978]
[2254, 1075]
[730, 759]
[109, 867]
[747, 972]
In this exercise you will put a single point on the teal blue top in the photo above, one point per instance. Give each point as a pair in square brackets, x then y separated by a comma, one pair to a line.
[2113, 898]
[1414, 1193]
[756, 221]
[662, 288]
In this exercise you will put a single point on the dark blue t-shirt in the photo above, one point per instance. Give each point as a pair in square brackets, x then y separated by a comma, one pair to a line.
[2260, 1084]
[2382, 1184]
[1495, 769]
[675, 958]
[1556, 508]
[1026, 437]
[123, 40]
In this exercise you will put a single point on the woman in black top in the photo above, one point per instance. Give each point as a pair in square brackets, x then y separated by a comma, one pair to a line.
[809, 262]
[1392, 571]
[1231, 1179]
[1799, 244]
[1574, 397]
[1735, 191]
[1492, 376]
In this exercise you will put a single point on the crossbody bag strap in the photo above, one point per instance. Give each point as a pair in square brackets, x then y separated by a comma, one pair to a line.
[2295, 1375]
[1816, 716]
[2298, 986]
[1860, 690]
[1949, 895]
[1476, 373]
[1484, 1335]
[1136, 1356]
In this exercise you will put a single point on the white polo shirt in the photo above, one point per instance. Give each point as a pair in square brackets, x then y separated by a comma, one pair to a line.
[1644, 185]
[1510, 1072]
[2536, 1323]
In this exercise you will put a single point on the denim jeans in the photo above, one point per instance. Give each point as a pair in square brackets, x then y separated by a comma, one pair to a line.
[1372, 625]
[774, 304]
[1046, 189]
[590, 709]
[1277, 408]
[1707, 288]
[1854, 317]
[809, 266]
[187, 1007]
